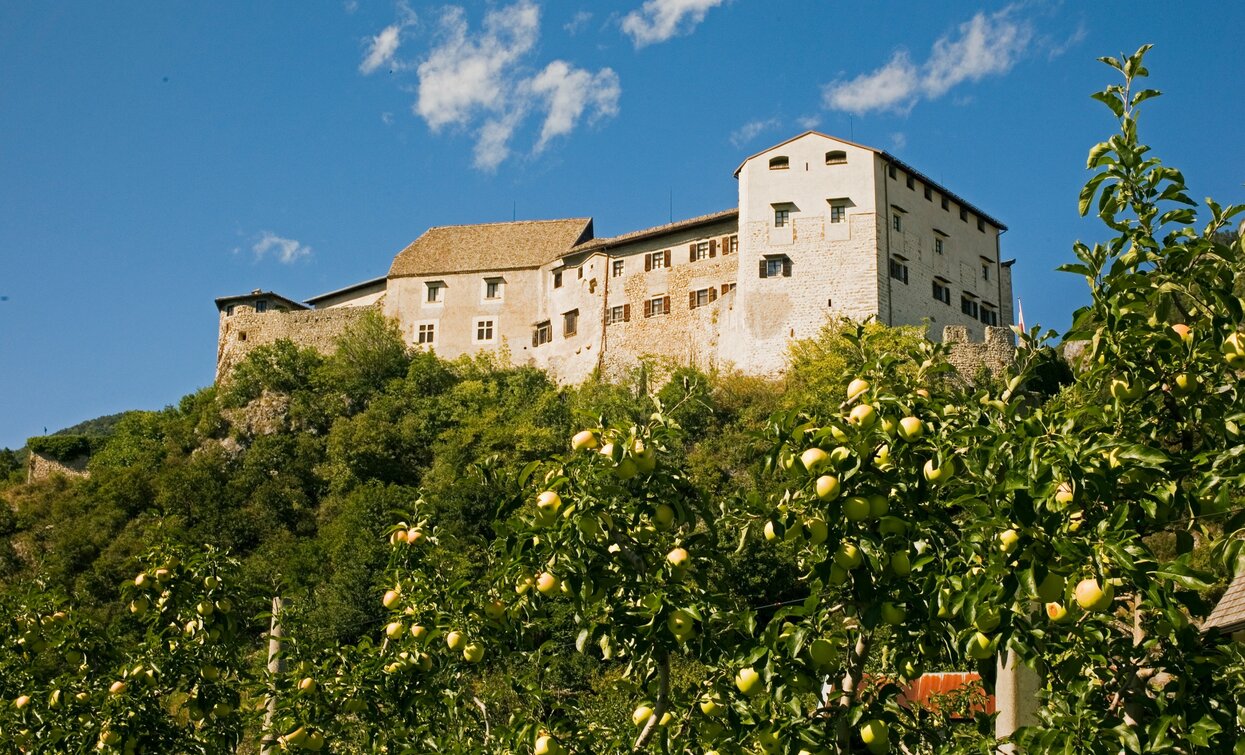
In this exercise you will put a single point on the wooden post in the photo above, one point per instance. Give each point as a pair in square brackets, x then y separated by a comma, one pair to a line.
[276, 665]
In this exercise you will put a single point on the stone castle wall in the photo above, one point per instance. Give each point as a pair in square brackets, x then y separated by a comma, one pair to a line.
[41, 467]
[243, 332]
[995, 352]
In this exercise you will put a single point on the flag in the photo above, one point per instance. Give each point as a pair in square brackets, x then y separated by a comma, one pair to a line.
[1020, 315]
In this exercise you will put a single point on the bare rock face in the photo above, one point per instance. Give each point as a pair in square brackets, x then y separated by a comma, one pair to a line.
[267, 415]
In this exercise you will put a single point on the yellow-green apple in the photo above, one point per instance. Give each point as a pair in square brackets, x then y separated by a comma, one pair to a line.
[548, 504]
[391, 598]
[641, 715]
[1056, 612]
[848, 556]
[827, 487]
[856, 509]
[856, 388]
[681, 624]
[773, 531]
[1094, 597]
[663, 516]
[394, 630]
[307, 685]
[547, 584]
[876, 735]
[863, 416]
[710, 706]
[814, 459]
[878, 506]
[679, 560]
[911, 428]
[455, 640]
[816, 530]
[901, 563]
[893, 614]
[1008, 540]
[823, 652]
[938, 474]
[473, 652]
[768, 742]
[748, 681]
[547, 745]
[583, 439]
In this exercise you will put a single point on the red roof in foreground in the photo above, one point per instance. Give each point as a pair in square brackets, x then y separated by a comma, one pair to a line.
[931, 690]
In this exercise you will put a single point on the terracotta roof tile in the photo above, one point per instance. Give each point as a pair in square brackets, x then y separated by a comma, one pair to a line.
[490, 246]
[1229, 613]
[678, 225]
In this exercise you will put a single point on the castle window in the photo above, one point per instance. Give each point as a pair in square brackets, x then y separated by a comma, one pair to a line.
[557, 279]
[838, 212]
[426, 333]
[890, 171]
[989, 315]
[732, 245]
[658, 305]
[580, 274]
[985, 271]
[836, 157]
[779, 163]
[929, 194]
[618, 267]
[493, 288]
[981, 224]
[570, 323]
[911, 182]
[620, 314]
[896, 222]
[964, 214]
[776, 266]
[942, 292]
[656, 260]
[968, 305]
[701, 297]
[229, 310]
[727, 288]
[899, 270]
[945, 204]
[699, 251]
[542, 333]
[781, 217]
[434, 292]
[484, 330]
[242, 336]
[938, 246]
[261, 305]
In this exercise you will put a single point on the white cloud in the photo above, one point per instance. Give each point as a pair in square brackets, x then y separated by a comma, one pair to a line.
[985, 45]
[382, 49]
[1055, 49]
[659, 20]
[898, 141]
[567, 92]
[578, 22]
[751, 130]
[286, 251]
[808, 122]
[386, 118]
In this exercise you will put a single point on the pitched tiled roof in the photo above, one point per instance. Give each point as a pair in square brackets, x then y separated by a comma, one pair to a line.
[1229, 613]
[490, 246]
[224, 301]
[659, 230]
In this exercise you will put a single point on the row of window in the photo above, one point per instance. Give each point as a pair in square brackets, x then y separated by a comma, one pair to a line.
[493, 290]
[696, 251]
[833, 157]
[782, 212]
[945, 203]
[942, 292]
[940, 243]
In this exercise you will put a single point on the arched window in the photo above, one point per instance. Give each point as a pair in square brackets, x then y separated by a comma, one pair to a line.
[836, 157]
[779, 163]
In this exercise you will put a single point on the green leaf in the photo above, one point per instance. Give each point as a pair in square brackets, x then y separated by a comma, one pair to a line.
[1203, 729]
[1185, 576]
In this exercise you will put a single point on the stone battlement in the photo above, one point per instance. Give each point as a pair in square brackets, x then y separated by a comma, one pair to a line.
[242, 332]
[995, 352]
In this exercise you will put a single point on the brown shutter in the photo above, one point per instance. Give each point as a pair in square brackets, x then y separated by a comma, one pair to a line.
[786, 267]
[535, 331]
[648, 307]
[691, 300]
[648, 262]
[691, 252]
[667, 258]
[713, 294]
[762, 268]
[713, 247]
[665, 305]
[626, 313]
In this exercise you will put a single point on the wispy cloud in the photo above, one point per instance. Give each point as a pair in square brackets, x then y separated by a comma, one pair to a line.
[898, 141]
[483, 81]
[659, 20]
[1056, 48]
[985, 45]
[382, 49]
[285, 251]
[578, 22]
[751, 130]
[808, 122]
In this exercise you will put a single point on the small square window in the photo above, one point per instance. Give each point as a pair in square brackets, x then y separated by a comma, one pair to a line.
[542, 334]
[492, 288]
[968, 306]
[838, 212]
[981, 225]
[658, 305]
[727, 288]
[733, 245]
[261, 305]
[700, 298]
[942, 292]
[434, 292]
[896, 222]
[989, 316]
[426, 333]
[618, 314]
[781, 217]
[657, 260]
[938, 247]
[899, 270]
[773, 268]
[618, 266]
[484, 331]
[557, 279]
[701, 251]
[229, 310]
[570, 323]
[890, 170]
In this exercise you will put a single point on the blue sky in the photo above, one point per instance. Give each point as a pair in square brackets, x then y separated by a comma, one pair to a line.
[154, 155]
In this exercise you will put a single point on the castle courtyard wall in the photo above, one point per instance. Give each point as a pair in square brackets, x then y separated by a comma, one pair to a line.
[243, 332]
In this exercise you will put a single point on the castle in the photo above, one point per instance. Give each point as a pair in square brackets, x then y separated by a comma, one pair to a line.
[824, 228]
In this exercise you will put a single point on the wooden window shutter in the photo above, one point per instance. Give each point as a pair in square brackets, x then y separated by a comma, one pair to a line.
[535, 335]
[713, 247]
[665, 305]
[713, 294]
[648, 262]
[762, 268]
[786, 267]
[667, 258]
[648, 307]
[626, 313]
[691, 252]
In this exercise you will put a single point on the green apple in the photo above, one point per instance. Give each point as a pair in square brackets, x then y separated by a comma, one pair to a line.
[641, 715]
[882, 457]
[892, 525]
[773, 531]
[139, 605]
[937, 475]
[876, 735]
[679, 560]
[893, 614]
[856, 388]
[980, 646]
[987, 620]
[848, 556]
[1008, 540]
[863, 416]
[839, 456]
[1052, 587]
[584, 439]
[814, 459]
[663, 516]
[548, 503]
[455, 640]
[394, 630]
[1056, 612]
[827, 487]
[1183, 332]
[681, 624]
[856, 509]
[816, 530]
[307, 685]
[710, 706]
[1064, 494]
[888, 426]
[626, 469]
[901, 563]
[391, 598]
[768, 742]
[21, 702]
[748, 682]
[117, 688]
[645, 459]
[494, 609]
[1093, 597]
[314, 742]
[911, 428]
[823, 652]
[473, 652]
[1123, 390]
[878, 506]
[419, 632]
[547, 745]
[1183, 384]
[838, 575]
[547, 584]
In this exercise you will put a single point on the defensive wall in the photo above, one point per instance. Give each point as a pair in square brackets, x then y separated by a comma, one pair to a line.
[242, 332]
